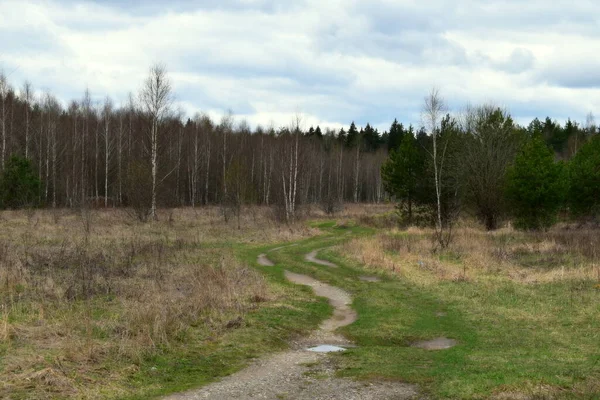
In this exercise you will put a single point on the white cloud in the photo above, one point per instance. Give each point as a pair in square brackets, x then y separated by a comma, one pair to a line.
[335, 61]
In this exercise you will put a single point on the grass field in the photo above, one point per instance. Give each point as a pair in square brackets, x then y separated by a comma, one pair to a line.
[162, 307]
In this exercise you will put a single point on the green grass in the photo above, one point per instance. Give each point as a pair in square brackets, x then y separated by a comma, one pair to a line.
[199, 360]
[512, 337]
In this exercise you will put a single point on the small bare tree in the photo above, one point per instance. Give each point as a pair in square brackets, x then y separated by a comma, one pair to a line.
[4, 89]
[156, 99]
[107, 115]
[289, 171]
[27, 98]
[434, 108]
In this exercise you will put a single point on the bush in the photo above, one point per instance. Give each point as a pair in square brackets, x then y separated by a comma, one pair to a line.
[139, 190]
[331, 205]
[19, 186]
[584, 169]
[536, 186]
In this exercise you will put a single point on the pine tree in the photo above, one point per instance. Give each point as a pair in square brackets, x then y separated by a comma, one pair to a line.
[318, 132]
[342, 136]
[584, 171]
[19, 184]
[395, 135]
[371, 138]
[536, 186]
[353, 134]
[402, 174]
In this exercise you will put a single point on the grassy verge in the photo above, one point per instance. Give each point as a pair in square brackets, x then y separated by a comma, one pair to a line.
[523, 331]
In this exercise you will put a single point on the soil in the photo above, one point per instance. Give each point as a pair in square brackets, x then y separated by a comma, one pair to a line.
[264, 261]
[312, 257]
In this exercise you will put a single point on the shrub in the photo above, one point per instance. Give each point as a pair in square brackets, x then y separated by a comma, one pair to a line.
[139, 190]
[19, 186]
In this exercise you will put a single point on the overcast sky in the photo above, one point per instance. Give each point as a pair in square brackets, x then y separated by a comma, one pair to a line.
[334, 61]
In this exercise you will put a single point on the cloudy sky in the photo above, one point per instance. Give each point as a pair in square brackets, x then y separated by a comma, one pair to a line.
[334, 61]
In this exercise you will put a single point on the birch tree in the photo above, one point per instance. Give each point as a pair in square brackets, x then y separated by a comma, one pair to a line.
[86, 105]
[27, 97]
[432, 113]
[3, 100]
[107, 115]
[156, 100]
[289, 170]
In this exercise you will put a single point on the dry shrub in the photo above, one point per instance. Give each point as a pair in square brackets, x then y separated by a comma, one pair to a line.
[387, 220]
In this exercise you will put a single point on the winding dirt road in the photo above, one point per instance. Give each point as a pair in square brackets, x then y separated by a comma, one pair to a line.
[299, 373]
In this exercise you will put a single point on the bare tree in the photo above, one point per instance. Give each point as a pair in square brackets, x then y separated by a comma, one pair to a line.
[590, 124]
[156, 99]
[433, 110]
[207, 129]
[3, 98]
[490, 145]
[73, 113]
[107, 115]
[289, 170]
[27, 97]
[86, 105]
[120, 157]
[225, 129]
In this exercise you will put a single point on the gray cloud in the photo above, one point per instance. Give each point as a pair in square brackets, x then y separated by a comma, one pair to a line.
[335, 60]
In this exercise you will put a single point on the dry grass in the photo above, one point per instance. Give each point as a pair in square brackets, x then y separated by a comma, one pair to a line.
[85, 297]
[558, 255]
[529, 302]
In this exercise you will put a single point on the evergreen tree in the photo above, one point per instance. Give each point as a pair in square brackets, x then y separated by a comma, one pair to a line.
[584, 169]
[371, 138]
[395, 135]
[536, 186]
[402, 174]
[353, 134]
[311, 132]
[535, 128]
[342, 136]
[555, 136]
[318, 132]
[19, 185]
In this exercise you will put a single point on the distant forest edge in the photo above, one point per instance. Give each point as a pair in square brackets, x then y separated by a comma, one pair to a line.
[146, 152]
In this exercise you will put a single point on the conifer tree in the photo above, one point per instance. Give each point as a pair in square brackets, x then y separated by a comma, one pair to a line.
[584, 171]
[536, 186]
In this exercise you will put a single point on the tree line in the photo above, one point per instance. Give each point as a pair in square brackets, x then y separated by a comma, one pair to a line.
[481, 162]
[144, 154]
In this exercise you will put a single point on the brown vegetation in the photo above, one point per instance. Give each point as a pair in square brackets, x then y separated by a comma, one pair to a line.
[559, 254]
[81, 291]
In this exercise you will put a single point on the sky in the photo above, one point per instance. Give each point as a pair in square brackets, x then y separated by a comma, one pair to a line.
[332, 61]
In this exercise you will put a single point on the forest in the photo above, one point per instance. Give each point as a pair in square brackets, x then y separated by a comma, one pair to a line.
[147, 154]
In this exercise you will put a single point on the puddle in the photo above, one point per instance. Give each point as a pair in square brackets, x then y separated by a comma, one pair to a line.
[312, 257]
[264, 261]
[436, 344]
[369, 279]
[326, 348]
